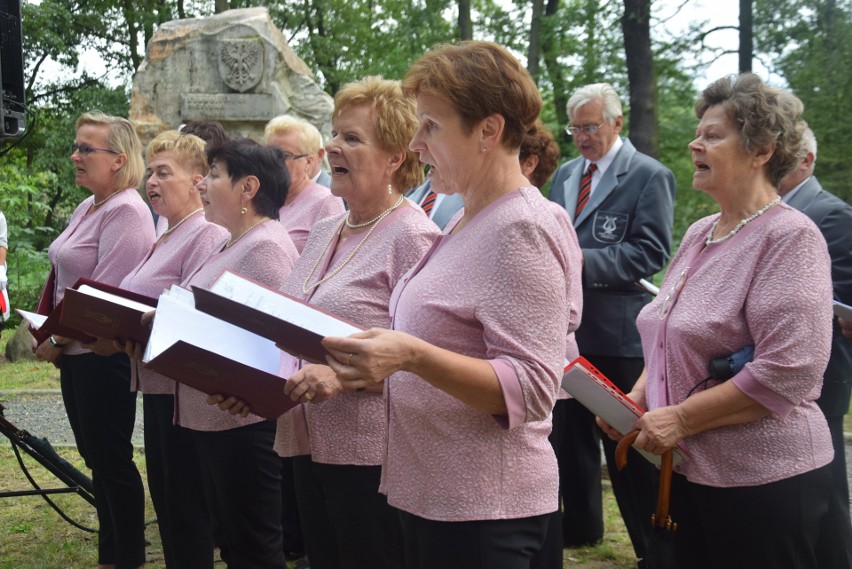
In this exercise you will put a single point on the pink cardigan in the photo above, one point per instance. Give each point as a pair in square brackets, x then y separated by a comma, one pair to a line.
[104, 245]
[311, 206]
[265, 254]
[768, 286]
[498, 289]
[169, 262]
[351, 428]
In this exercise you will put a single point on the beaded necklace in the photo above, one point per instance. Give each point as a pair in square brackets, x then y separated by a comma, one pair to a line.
[96, 203]
[709, 240]
[307, 288]
[375, 219]
[176, 225]
[240, 236]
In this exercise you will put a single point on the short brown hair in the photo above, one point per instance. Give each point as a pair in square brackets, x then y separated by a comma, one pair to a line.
[396, 121]
[479, 79]
[765, 117]
[539, 141]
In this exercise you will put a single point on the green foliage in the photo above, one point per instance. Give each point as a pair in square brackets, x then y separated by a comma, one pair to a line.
[806, 42]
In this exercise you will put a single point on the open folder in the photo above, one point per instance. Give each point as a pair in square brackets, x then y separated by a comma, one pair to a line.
[293, 324]
[600, 396]
[105, 311]
[214, 356]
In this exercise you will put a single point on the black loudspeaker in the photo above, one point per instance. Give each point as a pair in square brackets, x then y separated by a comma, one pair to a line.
[12, 104]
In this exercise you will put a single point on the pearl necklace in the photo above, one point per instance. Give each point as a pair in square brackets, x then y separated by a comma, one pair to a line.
[307, 288]
[176, 225]
[96, 203]
[240, 236]
[710, 241]
[375, 219]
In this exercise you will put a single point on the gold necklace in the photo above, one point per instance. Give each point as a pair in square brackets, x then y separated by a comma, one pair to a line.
[96, 203]
[176, 225]
[240, 236]
[307, 288]
[375, 219]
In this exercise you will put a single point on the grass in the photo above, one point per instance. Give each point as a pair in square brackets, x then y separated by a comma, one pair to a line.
[33, 536]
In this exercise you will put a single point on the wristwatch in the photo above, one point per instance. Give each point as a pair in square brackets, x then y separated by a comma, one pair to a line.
[54, 343]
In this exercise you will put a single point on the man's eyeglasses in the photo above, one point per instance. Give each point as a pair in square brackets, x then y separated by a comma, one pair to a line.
[291, 156]
[588, 129]
[85, 149]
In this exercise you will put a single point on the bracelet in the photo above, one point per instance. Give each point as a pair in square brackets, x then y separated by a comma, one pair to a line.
[54, 343]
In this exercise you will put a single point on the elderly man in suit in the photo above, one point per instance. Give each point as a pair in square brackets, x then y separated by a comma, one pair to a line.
[439, 207]
[800, 189]
[622, 203]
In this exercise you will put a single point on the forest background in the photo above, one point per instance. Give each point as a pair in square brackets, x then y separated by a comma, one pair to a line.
[803, 45]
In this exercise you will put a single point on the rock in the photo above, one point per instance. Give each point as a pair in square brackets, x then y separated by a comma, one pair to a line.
[235, 67]
[20, 344]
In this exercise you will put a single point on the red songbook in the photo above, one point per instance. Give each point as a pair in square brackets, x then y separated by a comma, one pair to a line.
[106, 311]
[216, 374]
[214, 356]
[294, 325]
[600, 396]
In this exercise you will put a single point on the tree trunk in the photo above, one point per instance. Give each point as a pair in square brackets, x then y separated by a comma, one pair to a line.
[635, 24]
[550, 50]
[465, 24]
[534, 51]
[746, 36]
[222, 6]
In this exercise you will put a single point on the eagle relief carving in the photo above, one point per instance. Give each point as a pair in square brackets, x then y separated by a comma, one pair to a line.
[241, 63]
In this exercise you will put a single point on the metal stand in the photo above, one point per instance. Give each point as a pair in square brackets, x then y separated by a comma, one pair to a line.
[75, 481]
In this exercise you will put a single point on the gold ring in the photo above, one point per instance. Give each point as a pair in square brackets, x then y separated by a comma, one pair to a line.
[349, 359]
[309, 396]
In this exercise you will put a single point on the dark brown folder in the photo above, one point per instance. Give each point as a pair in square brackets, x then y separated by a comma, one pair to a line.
[54, 327]
[293, 339]
[103, 318]
[216, 374]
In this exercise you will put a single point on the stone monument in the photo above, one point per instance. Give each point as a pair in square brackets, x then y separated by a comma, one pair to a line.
[234, 67]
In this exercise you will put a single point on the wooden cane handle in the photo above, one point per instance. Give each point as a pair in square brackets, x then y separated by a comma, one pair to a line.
[621, 449]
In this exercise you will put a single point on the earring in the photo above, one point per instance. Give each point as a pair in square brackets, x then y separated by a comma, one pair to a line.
[390, 188]
[484, 149]
[243, 210]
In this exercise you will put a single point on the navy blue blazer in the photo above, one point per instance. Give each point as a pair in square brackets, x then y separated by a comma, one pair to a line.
[446, 209]
[833, 217]
[625, 232]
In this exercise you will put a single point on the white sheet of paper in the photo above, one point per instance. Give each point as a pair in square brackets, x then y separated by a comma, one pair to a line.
[176, 321]
[114, 298]
[842, 310]
[35, 320]
[251, 294]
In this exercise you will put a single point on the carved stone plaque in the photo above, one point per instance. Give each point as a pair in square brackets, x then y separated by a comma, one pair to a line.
[241, 63]
[228, 107]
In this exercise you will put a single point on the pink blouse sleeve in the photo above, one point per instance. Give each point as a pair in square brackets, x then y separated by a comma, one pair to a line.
[525, 318]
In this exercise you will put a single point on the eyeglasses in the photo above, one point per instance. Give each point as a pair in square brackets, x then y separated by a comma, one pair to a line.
[85, 149]
[588, 129]
[291, 156]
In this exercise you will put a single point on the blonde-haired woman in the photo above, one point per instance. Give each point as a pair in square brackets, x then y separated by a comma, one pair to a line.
[108, 234]
[307, 202]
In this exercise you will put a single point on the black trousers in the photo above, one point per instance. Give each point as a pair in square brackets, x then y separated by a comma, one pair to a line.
[243, 485]
[346, 523]
[482, 544]
[773, 525]
[174, 477]
[291, 525]
[635, 487]
[834, 546]
[102, 412]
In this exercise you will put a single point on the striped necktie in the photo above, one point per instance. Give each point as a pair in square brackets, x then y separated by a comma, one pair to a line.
[429, 202]
[585, 189]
